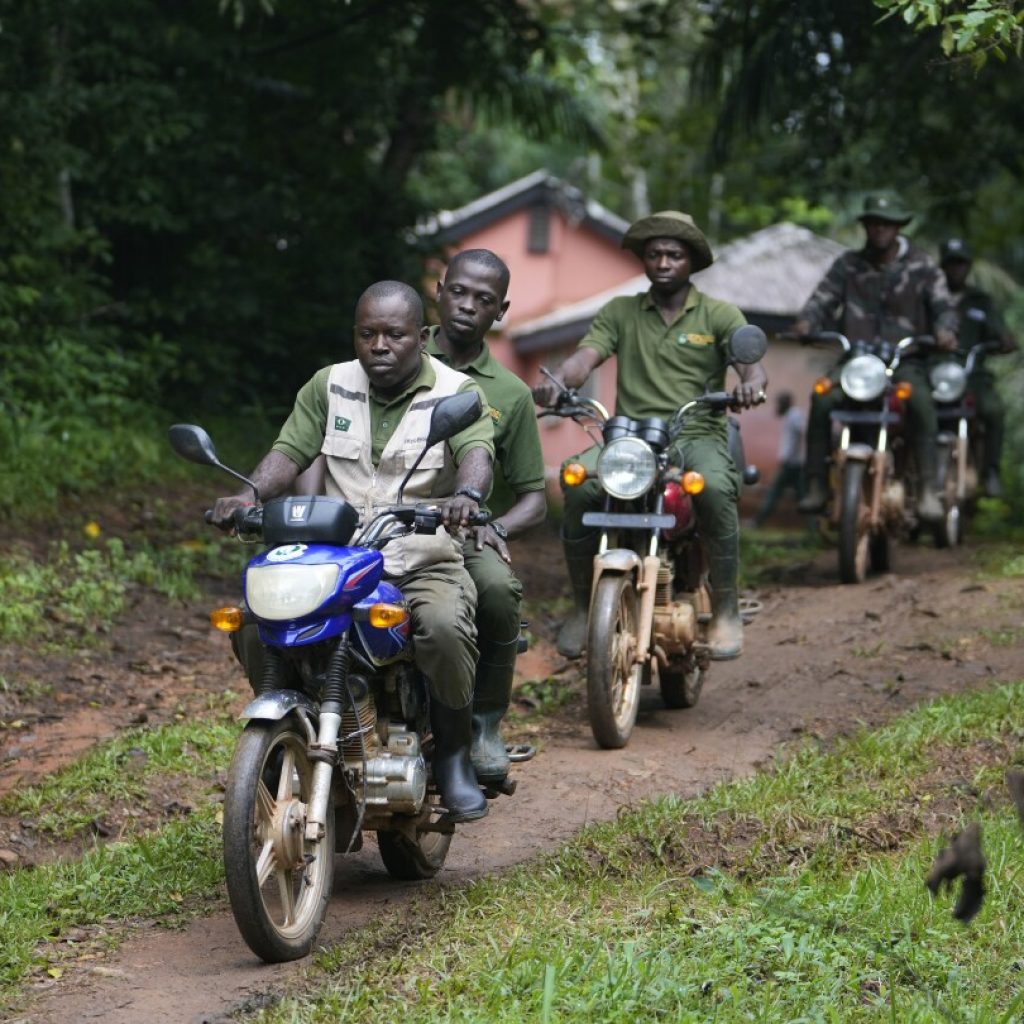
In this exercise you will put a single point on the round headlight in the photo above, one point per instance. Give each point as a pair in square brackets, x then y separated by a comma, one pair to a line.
[948, 380]
[282, 592]
[627, 467]
[863, 378]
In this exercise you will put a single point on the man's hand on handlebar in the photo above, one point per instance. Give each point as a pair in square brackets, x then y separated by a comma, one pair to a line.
[745, 395]
[548, 391]
[223, 513]
[459, 511]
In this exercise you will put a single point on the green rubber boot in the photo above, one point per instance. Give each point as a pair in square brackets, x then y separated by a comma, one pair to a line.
[579, 560]
[725, 632]
[492, 694]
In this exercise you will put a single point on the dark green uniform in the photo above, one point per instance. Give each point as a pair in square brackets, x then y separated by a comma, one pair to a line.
[980, 321]
[867, 302]
[518, 469]
[661, 367]
[441, 597]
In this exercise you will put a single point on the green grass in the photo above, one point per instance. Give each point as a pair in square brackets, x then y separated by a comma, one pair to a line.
[72, 596]
[795, 895]
[768, 556]
[118, 772]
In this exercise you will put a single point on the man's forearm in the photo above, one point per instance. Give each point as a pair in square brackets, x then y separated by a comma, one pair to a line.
[475, 471]
[274, 474]
[579, 366]
[528, 511]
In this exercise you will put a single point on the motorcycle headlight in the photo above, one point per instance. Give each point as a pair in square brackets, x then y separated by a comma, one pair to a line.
[281, 592]
[863, 378]
[627, 467]
[949, 381]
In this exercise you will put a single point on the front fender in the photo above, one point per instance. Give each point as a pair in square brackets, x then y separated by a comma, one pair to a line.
[859, 452]
[617, 560]
[273, 706]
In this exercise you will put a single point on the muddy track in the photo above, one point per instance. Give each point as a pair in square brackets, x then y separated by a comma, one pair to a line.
[820, 659]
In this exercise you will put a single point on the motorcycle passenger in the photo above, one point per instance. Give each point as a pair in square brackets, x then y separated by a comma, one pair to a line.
[980, 322]
[671, 346]
[471, 298]
[885, 291]
[369, 416]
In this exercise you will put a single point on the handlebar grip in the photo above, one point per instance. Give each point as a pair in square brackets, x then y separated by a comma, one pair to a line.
[481, 519]
[718, 400]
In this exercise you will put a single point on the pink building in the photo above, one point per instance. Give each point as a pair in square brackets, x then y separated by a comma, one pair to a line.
[566, 261]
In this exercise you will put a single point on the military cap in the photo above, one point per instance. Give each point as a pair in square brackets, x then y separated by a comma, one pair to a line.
[955, 249]
[886, 207]
[669, 224]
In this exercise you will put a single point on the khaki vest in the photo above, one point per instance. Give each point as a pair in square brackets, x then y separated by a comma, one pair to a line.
[348, 442]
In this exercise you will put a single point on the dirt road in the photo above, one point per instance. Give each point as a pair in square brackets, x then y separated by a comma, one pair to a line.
[819, 659]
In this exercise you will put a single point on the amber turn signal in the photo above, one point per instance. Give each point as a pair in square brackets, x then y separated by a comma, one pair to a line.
[573, 474]
[693, 483]
[822, 386]
[904, 390]
[384, 616]
[227, 620]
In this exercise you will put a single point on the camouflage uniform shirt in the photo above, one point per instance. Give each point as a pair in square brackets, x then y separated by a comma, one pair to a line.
[979, 318]
[868, 302]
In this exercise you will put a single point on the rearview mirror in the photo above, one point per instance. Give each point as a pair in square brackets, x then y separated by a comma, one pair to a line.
[452, 415]
[193, 443]
[747, 344]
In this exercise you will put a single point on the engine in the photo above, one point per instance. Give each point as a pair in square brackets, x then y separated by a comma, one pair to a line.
[396, 773]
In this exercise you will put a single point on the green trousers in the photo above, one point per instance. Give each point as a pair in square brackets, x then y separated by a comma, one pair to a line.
[498, 607]
[715, 505]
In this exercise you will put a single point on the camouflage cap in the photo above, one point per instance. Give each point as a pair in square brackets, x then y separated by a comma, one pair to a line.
[886, 207]
[955, 249]
[669, 224]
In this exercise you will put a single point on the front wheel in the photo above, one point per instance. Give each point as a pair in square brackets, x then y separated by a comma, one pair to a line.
[613, 673]
[854, 524]
[278, 882]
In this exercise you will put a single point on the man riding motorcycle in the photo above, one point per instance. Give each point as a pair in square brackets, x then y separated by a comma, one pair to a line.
[671, 347]
[369, 417]
[885, 291]
[980, 322]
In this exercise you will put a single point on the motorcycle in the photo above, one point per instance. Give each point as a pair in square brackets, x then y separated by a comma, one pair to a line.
[336, 740]
[650, 605]
[960, 441]
[875, 481]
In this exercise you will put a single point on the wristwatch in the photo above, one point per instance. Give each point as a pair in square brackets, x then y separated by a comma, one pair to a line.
[472, 492]
[499, 528]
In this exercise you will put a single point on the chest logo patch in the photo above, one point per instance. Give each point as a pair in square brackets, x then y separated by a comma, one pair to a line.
[695, 339]
[342, 423]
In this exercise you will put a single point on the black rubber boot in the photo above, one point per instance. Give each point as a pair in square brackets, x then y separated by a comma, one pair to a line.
[815, 497]
[579, 560]
[491, 697]
[453, 772]
[725, 632]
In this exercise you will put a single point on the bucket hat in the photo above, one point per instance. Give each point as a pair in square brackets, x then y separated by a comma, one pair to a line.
[669, 224]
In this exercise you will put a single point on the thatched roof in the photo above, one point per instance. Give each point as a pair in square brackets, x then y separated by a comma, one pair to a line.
[769, 275]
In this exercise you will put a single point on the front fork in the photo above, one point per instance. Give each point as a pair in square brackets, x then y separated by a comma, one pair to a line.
[325, 751]
[877, 473]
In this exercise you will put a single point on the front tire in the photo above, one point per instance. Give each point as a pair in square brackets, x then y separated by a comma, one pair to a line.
[613, 674]
[279, 883]
[854, 526]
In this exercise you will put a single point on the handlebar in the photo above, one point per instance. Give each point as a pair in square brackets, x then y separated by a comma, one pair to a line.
[245, 521]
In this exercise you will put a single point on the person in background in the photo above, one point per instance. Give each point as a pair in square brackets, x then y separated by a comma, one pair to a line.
[886, 291]
[789, 475]
[980, 322]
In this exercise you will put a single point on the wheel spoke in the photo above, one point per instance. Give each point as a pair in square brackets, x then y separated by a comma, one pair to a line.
[264, 807]
[265, 864]
[284, 884]
[284, 784]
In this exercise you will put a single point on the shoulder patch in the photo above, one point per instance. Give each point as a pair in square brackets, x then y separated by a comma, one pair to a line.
[495, 414]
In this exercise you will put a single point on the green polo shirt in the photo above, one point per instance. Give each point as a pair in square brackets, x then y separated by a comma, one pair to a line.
[519, 464]
[662, 366]
[302, 435]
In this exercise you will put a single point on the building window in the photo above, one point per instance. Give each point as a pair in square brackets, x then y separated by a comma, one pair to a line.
[538, 236]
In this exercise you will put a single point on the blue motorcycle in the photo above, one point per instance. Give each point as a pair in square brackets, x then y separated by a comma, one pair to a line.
[336, 741]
